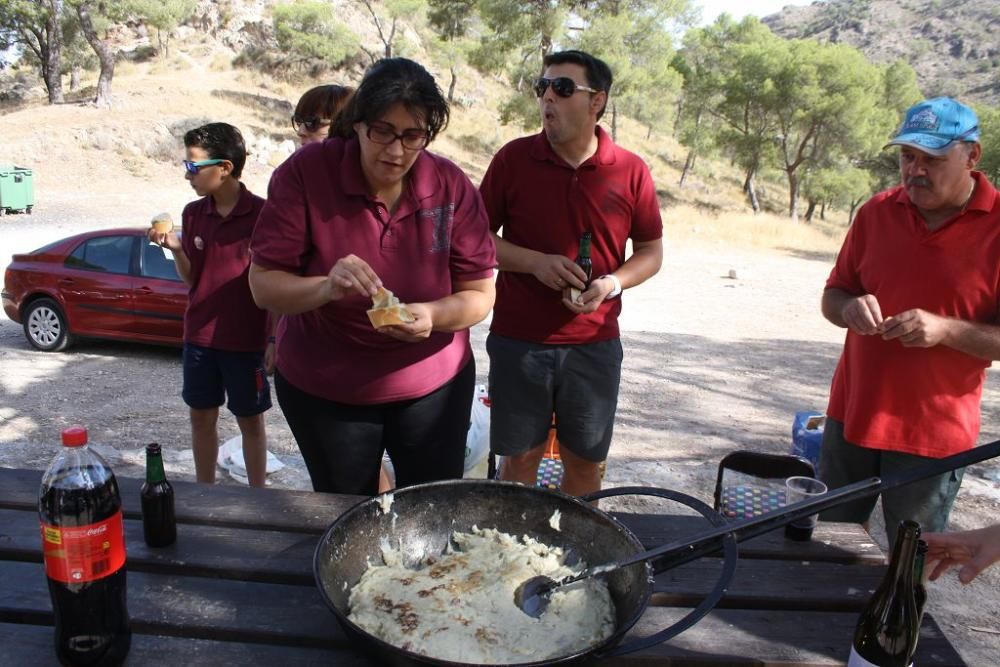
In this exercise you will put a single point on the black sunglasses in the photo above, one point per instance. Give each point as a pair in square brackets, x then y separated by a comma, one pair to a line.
[562, 85]
[308, 124]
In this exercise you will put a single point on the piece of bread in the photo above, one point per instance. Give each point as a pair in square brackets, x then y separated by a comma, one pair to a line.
[387, 310]
[574, 295]
[162, 223]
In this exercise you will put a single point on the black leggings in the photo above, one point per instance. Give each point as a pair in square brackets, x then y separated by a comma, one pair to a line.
[343, 444]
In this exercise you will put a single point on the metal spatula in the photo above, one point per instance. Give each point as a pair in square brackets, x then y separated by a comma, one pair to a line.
[533, 595]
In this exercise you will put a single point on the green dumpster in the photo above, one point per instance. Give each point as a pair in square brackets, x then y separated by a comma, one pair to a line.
[17, 192]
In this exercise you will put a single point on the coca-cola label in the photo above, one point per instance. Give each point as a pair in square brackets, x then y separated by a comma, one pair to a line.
[857, 661]
[78, 554]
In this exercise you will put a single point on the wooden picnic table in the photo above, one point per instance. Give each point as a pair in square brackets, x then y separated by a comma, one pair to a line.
[237, 587]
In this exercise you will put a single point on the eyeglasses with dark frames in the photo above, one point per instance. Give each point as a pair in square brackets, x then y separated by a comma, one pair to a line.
[311, 124]
[194, 167]
[563, 86]
[412, 140]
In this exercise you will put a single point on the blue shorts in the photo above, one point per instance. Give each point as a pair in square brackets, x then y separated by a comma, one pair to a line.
[529, 382]
[210, 376]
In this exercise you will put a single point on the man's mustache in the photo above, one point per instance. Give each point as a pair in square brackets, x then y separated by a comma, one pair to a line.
[919, 181]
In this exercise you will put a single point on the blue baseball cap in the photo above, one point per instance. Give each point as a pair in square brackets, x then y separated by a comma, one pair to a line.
[933, 126]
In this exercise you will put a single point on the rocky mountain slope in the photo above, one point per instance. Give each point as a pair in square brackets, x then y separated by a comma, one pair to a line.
[954, 45]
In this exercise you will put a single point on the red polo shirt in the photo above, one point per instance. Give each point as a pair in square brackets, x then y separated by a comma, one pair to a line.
[541, 202]
[221, 312]
[319, 211]
[921, 401]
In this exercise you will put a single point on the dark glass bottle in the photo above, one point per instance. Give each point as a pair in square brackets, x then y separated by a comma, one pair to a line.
[159, 524]
[583, 258]
[919, 587]
[83, 545]
[886, 634]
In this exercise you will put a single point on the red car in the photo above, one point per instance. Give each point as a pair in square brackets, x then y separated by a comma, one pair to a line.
[108, 284]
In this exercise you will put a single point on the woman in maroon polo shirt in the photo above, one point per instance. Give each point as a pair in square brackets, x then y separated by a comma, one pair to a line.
[372, 208]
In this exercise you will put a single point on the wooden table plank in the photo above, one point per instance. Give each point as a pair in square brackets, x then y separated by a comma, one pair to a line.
[233, 553]
[832, 542]
[195, 607]
[770, 584]
[769, 638]
[204, 504]
[280, 557]
[32, 646]
[191, 607]
[309, 512]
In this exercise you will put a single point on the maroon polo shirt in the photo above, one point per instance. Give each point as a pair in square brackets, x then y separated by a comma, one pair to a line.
[542, 203]
[221, 312]
[319, 211]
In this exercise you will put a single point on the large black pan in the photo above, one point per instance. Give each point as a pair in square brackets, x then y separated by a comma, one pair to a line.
[422, 518]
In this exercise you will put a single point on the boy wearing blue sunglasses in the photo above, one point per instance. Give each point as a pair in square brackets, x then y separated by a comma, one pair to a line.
[227, 349]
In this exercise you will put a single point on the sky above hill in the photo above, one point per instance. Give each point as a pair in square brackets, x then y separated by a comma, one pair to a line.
[710, 9]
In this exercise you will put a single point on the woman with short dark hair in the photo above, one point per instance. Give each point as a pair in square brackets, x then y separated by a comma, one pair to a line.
[370, 209]
[317, 110]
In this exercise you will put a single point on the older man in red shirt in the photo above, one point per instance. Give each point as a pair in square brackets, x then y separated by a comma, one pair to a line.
[552, 351]
[917, 285]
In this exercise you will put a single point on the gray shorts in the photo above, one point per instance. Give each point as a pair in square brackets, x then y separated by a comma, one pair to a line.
[529, 382]
[927, 502]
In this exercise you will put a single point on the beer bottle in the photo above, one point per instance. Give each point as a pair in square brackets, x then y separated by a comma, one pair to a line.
[887, 631]
[159, 525]
[583, 258]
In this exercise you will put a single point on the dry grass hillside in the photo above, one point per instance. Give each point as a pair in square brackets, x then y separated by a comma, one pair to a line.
[131, 151]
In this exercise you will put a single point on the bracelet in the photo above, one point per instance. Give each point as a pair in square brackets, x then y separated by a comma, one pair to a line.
[271, 339]
[617, 290]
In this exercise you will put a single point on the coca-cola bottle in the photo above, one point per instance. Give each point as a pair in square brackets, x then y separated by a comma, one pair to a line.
[83, 543]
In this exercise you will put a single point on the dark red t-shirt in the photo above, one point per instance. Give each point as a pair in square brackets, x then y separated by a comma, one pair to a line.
[221, 312]
[319, 211]
[542, 203]
[916, 400]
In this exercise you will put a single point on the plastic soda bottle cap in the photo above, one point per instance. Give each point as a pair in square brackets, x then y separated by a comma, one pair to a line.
[74, 436]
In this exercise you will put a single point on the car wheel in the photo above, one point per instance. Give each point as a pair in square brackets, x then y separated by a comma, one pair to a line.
[45, 326]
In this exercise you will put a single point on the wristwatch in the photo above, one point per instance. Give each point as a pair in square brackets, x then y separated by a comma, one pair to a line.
[617, 289]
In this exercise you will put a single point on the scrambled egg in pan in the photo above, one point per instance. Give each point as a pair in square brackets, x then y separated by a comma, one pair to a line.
[460, 606]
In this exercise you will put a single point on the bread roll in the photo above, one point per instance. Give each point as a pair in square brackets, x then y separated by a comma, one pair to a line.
[387, 310]
[163, 223]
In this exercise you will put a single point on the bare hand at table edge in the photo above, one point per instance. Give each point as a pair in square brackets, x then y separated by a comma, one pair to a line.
[412, 332]
[351, 275]
[588, 301]
[973, 550]
[167, 240]
[558, 272]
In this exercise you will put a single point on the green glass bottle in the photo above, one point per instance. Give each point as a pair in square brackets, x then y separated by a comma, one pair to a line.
[159, 523]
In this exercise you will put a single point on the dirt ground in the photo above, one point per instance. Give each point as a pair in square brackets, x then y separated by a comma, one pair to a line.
[712, 364]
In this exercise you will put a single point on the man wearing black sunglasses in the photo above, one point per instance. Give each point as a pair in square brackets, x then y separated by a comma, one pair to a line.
[554, 342]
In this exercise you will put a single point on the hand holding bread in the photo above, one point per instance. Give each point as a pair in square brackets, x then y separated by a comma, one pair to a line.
[387, 311]
[161, 231]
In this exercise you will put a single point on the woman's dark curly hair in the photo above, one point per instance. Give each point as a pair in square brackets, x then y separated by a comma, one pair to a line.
[395, 81]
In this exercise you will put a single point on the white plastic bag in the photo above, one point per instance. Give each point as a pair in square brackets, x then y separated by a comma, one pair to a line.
[477, 443]
[231, 460]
